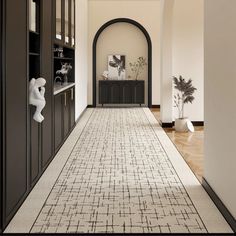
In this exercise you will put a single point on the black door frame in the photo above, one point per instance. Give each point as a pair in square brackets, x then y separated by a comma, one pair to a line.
[149, 42]
[1, 116]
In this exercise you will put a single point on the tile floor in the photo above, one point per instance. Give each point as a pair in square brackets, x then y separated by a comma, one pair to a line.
[118, 172]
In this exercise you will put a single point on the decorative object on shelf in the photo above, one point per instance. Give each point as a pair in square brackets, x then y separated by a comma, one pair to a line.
[105, 75]
[138, 66]
[65, 69]
[185, 95]
[59, 52]
[36, 97]
[32, 16]
[116, 67]
[58, 78]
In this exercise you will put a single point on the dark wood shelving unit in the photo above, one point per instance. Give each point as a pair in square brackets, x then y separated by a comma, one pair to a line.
[64, 102]
[68, 57]
[65, 27]
[27, 50]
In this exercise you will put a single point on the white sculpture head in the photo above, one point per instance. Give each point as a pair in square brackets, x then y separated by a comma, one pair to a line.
[40, 82]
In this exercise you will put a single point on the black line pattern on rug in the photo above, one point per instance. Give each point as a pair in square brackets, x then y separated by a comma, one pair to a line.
[118, 179]
[171, 162]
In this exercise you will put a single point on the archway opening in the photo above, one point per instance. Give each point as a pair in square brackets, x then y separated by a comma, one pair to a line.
[149, 55]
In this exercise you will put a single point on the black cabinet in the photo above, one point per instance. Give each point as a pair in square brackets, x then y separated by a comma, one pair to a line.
[64, 115]
[121, 92]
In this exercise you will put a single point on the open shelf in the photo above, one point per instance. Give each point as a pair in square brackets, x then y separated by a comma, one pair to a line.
[34, 51]
[34, 43]
[63, 55]
[33, 32]
[63, 58]
[34, 67]
[34, 54]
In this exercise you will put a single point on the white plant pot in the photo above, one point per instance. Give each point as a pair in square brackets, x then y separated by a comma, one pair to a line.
[181, 125]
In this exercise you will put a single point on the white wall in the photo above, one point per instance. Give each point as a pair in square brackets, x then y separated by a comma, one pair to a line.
[166, 23]
[146, 12]
[220, 99]
[187, 48]
[81, 57]
[124, 39]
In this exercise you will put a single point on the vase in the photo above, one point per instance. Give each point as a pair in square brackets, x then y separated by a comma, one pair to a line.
[181, 125]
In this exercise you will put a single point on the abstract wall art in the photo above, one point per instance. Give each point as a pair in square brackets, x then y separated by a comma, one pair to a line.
[116, 67]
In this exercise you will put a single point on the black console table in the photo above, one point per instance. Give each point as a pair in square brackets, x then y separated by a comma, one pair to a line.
[121, 92]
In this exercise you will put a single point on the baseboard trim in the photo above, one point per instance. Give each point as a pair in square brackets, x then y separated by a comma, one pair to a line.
[166, 125]
[195, 123]
[198, 123]
[90, 106]
[220, 205]
[156, 106]
[80, 116]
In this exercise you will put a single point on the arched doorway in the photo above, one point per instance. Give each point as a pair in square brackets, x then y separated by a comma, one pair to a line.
[149, 43]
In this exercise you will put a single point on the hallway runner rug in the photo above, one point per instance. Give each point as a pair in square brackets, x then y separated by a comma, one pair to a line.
[118, 179]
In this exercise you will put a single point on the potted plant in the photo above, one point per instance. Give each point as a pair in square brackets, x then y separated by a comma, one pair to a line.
[184, 96]
[137, 67]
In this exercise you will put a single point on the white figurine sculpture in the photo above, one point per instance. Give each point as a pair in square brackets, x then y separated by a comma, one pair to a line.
[36, 97]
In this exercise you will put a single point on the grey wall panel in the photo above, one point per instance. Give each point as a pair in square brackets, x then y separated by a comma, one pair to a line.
[1, 115]
[16, 104]
[58, 112]
[34, 148]
[46, 72]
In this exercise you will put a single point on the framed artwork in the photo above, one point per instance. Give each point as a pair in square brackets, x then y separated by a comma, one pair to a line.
[116, 67]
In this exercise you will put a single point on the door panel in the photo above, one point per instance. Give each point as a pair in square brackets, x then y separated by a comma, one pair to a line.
[46, 72]
[139, 92]
[66, 116]
[58, 113]
[127, 93]
[114, 93]
[16, 105]
[1, 117]
[72, 108]
[103, 93]
[34, 147]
